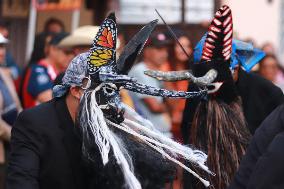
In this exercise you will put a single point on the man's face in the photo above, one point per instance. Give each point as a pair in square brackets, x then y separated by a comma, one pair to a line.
[61, 57]
[180, 55]
[4, 31]
[156, 55]
[269, 68]
[55, 28]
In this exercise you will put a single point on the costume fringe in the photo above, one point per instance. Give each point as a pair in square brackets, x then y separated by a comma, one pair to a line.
[220, 130]
[96, 127]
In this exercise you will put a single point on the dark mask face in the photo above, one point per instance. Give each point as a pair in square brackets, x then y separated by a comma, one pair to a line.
[224, 84]
[109, 101]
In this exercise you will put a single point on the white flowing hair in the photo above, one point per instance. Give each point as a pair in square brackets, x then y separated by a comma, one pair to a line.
[141, 128]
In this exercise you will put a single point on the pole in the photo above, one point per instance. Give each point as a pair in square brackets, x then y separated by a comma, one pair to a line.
[31, 32]
[75, 19]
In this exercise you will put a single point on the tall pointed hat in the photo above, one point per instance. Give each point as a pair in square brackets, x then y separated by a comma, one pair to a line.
[218, 42]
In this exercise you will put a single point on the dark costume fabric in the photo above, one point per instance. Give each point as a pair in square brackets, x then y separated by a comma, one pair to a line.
[45, 150]
[262, 166]
[46, 153]
[260, 97]
[151, 170]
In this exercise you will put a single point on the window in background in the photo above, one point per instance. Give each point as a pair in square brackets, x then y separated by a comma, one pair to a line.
[197, 11]
[141, 12]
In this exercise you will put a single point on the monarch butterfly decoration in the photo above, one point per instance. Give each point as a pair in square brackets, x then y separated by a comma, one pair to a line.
[103, 51]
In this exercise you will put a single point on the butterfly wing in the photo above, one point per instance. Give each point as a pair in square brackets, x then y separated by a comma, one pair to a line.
[103, 51]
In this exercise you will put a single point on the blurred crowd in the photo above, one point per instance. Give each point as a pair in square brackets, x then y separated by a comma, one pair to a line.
[28, 86]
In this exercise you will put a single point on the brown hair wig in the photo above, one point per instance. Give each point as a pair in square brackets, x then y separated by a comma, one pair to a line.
[220, 130]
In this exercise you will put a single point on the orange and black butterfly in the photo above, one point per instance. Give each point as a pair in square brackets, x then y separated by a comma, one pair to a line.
[103, 51]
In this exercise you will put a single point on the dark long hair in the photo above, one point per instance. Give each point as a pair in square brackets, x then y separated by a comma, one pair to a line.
[220, 129]
[152, 170]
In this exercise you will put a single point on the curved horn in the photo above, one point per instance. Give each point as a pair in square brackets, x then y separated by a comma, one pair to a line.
[168, 76]
[208, 78]
[153, 91]
[114, 78]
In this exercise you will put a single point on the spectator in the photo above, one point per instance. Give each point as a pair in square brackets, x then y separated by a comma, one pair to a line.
[152, 108]
[37, 82]
[121, 40]
[6, 80]
[4, 25]
[52, 26]
[9, 60]
[177, 61]
[268, 48]
[270, 69]
[9, 109]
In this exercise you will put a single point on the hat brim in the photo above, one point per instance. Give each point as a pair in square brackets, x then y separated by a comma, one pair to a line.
[72, 41]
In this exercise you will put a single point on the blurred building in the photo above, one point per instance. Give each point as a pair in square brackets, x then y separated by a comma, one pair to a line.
[257, 20]
[260, 21]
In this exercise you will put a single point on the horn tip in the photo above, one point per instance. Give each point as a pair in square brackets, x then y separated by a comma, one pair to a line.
[112, 16]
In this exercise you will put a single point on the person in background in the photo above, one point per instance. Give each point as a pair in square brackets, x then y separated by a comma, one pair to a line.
[51, 26]
[38, 81]
[177, 61]
[153, 108]
[268, 48]
[9, 60]
[121, 39]
[270, 69]
[9, 109]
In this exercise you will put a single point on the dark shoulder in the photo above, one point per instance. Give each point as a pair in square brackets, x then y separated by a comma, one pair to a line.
[256, 81]
[271, 126]
[39, 115]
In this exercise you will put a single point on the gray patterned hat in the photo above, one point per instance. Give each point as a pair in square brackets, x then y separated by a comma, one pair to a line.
[75, 73]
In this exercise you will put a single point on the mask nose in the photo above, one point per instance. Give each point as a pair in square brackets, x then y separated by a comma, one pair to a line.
[119, 108]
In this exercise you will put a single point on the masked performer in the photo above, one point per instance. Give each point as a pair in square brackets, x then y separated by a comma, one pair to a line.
[218, 125]
[87, 138]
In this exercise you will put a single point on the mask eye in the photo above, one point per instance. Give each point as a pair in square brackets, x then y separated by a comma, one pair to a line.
[109, 90]
[86, 83]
